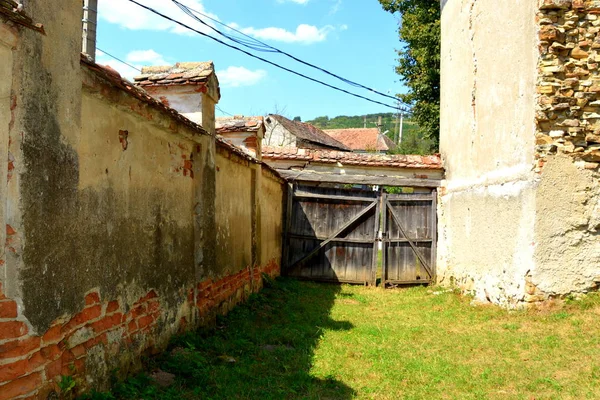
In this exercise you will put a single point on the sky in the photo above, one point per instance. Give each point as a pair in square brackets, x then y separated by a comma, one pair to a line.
[355, 39]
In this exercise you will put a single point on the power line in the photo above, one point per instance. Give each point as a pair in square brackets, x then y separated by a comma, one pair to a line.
[264, 47]
[119, 60]
[260, 58]
[224, 112]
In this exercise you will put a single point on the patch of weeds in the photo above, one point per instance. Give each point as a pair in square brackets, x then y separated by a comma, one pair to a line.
[511, 327]
[551, 341]
[67, 385]
[559, 316]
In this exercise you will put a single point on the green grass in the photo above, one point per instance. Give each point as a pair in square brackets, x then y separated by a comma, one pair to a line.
[302, 340]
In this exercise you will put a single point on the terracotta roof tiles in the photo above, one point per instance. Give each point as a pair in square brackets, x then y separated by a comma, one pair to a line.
[238, 124]
[362, 138]
[182, 73]
[348, 158]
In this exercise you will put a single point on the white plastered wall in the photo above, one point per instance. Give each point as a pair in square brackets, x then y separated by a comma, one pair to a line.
[487, 140]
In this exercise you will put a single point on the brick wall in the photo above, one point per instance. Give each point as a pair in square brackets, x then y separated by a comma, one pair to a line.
[81, 344]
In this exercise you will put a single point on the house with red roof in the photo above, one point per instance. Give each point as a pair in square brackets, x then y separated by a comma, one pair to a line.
[362, 140]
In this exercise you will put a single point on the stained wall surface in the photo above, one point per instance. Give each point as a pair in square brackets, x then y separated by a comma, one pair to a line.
[487, 141]
[112, 205]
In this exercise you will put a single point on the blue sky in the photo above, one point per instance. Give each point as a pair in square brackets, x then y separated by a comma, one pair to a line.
[352, 38]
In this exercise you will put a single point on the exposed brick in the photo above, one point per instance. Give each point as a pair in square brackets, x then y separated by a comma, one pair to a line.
[145, 321]
[11, 371]
[78, 351]
[132, 326]
[18, 348]
[138, 311]
[107, 323]
[12, 329]
[8, 309]
[51, 352]
[102, 339]
[153, 306]
[10, 230]
[92, 298]
[112, 306]
[84, 316]
[20, 386]
[53, 369]
[53, 335]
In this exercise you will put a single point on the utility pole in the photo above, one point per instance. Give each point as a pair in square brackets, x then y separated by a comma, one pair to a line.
[365, 122]
[379, 125]
[401, 127]
[90, 22]
[396, 134]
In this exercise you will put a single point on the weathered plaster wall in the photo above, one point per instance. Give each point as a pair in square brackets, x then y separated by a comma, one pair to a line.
[271, 218]
[277, 135]
[8, 40]
[487, 141]
[110, 215]
[234, 210]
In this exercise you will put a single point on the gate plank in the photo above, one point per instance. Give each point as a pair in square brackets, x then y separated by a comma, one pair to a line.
[412, 245]
[334, 235]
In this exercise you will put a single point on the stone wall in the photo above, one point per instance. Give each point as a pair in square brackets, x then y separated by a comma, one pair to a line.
[567, 250]
[112, 205]
[520, 213]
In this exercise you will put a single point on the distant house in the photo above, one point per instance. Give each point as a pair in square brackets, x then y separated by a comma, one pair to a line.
[283, 132]
[362, 140]
[244, 132]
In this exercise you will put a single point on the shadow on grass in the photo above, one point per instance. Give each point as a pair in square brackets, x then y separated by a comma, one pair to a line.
[261, 350]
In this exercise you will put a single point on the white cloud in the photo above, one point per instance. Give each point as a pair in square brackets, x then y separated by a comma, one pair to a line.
[146, 57]
[305, 34]
[131, 16]
[136, 58]
[336, 7]
[240, 76]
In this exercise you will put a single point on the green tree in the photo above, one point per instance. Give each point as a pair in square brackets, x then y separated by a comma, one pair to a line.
[419, 61]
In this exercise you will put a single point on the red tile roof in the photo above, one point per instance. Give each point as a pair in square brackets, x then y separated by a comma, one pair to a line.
[362, 139]
[238, 124]
[182, 73]
[308, 132]
[349, 158]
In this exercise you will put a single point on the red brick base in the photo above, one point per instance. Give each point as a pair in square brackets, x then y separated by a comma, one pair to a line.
[31, 365]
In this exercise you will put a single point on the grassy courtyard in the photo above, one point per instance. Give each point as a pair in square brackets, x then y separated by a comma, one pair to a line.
[302, 340]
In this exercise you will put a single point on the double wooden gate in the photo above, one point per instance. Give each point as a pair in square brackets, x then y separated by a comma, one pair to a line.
[335, 235]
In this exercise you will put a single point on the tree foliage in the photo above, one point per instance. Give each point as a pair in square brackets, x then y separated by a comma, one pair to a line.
[419, 61]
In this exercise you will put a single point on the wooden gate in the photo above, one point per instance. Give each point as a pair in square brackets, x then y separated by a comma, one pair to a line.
[331, 234]
[409, 238]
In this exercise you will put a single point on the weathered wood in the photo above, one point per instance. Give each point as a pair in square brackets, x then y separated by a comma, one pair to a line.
[404, 240]
[308, 176]
[410, 197]
[336, 240]
[375, 243]
[434, 236]
[334, 235]
[333, 197]
[384, 258]
[412, 245]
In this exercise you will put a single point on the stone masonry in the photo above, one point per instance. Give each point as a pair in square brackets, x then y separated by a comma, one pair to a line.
[568, 109]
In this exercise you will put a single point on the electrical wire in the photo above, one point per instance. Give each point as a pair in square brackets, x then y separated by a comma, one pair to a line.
[224, 112]
[258, 45]
[119, 60]
[263, 59]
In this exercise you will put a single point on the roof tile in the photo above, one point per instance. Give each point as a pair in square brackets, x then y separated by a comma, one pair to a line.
[348, 158]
